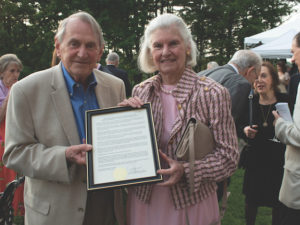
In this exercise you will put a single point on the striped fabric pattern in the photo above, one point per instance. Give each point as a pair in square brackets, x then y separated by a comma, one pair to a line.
[209, 102]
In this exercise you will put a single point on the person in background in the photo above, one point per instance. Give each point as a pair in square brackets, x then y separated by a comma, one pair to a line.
[238, 77]
[112, 63]
[45, 139]
[10, 69]
[212, 65]
[289, 133]
[177, 94]
[265, 154]
[283, 75]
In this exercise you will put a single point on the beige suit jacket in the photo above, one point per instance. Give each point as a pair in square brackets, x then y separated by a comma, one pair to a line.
[289, 133]
[40, 125]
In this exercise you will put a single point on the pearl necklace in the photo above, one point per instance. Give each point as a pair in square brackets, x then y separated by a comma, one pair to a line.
[168, 92]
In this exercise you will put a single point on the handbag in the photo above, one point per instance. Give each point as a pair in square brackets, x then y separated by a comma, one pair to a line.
[196, 142]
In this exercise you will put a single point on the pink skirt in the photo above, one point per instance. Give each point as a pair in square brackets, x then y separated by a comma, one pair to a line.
[161, 210]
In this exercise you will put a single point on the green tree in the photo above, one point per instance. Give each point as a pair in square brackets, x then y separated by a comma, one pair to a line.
[219, 26]
[27, 29]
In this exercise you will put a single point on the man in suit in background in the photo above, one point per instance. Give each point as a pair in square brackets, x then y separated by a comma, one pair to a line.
[45, 136]
[112, 63]
[238, 77]
[289, 134]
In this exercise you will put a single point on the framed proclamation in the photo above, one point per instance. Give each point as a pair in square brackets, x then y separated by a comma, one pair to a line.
[124, 150]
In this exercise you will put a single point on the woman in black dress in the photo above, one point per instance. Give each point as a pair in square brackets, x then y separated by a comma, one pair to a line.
[265, 156]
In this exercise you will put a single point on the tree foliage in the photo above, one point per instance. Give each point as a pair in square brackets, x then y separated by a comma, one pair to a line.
[27, 27]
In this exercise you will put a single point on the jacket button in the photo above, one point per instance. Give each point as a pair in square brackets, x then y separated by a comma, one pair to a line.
[80, 209]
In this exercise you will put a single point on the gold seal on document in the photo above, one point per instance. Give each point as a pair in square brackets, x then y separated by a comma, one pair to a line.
[120, 174]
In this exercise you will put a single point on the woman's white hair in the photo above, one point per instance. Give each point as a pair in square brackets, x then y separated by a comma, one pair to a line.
[7, 59]
[145, 60]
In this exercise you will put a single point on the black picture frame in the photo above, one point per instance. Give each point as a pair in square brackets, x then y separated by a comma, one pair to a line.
[119, 176]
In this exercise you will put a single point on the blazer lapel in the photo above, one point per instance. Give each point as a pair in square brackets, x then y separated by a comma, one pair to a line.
[102, 91]
[182, 93]
[63, 106]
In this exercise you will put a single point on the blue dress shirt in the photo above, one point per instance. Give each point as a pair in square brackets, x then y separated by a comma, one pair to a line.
[81, 99]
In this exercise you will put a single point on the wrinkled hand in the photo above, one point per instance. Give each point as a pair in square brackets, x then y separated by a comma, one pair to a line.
[77, 153]
[175, 171]
[250, 132]
[276, 116]
[134, 102]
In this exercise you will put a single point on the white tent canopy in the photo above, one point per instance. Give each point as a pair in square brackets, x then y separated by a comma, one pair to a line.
[292, 24]
[278, 48]
[276, 43]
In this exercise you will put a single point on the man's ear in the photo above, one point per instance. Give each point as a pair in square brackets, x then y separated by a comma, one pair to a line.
[100, 53]
[247, 72]
[188, 50]
[57, 47]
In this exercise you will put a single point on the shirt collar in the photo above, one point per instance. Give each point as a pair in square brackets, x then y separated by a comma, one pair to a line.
[233, 66]
[71, 83]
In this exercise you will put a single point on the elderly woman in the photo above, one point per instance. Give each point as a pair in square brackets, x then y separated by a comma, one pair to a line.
[10, 68]
[176, 94]
[265, 155]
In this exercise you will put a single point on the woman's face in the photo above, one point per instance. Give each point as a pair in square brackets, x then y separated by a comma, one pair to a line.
[278, 68]
[168, 51]
[11, 74]
[263, 84]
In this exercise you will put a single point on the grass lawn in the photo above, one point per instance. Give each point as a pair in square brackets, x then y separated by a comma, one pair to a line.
[235, 212]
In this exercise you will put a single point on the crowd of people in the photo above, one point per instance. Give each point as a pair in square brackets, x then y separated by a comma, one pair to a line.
[45, 138]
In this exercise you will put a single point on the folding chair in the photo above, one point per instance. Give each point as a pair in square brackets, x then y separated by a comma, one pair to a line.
[6, 198]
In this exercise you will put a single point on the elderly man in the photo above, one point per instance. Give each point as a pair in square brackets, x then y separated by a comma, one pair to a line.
[212, 65]
[112, 63]
[289, 134]
[46, 132]
[237, 76]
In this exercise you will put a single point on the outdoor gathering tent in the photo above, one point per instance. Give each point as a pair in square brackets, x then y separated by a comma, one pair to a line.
[272, 34]
[278, 48]
[276, 43]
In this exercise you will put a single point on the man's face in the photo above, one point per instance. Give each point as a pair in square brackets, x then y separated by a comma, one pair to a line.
[296, 54]
[79, 50]
[252, 74]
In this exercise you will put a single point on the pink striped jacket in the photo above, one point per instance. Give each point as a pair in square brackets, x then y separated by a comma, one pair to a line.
[209, 102]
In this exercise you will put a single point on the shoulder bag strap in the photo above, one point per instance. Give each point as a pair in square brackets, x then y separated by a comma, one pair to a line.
[250, 97]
